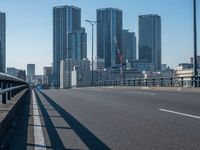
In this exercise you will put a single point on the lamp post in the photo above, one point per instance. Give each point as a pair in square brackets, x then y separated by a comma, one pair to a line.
[195, 43]
[92, 23]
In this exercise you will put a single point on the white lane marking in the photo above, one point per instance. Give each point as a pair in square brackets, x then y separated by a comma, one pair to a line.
[144, 93]
[145, 88]
[38, 133]
[179, 113]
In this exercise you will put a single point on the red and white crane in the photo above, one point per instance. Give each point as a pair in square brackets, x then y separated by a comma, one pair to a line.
[121, 58]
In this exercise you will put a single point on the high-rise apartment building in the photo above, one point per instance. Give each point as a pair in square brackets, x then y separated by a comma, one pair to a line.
[129, 45]
[66, 19]
[150, 40]
[2, 42]
[30, 69]
[47, 77]
[30, 73]
[109, 34]
[78, 44]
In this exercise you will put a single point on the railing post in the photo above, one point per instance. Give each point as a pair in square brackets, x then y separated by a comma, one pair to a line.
[8, 94]
[161, 82]
[171, 81]
[199, 81]
[153, 81]
[192, 81]
[12, 92]
[146, 83]
[139, 82]
[181, 81]
[195, 81]
[4, 94]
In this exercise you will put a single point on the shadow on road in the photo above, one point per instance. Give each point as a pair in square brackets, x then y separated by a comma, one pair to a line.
[89, 139]
[53, 135]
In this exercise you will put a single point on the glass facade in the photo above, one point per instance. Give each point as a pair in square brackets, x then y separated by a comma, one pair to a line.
[129, 45]
[150, 40]
[66, 19]
[109, 28]
[78, 45]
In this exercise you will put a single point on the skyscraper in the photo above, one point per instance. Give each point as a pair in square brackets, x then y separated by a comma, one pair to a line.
[30, 69]
[30, 73]
[109, 28]
[66, 19]
[78, 44]
[2, 42]
[150, 40]
[129, 45]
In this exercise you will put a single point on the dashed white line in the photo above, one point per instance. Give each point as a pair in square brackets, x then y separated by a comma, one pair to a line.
[38, 133]
[179, 113]
[143, 93]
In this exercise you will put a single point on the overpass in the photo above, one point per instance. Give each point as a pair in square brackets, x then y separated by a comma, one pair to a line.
[107, 117]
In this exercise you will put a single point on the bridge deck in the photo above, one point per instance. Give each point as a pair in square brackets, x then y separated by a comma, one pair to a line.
[109, 118]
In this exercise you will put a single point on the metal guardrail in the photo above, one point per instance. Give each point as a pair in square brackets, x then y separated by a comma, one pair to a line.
[10, 86]
[150, 82]
[11, 89]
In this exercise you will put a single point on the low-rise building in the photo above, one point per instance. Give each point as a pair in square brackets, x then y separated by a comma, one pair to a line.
[82, 68]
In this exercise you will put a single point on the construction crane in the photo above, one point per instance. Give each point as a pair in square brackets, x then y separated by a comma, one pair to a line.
[121, 58]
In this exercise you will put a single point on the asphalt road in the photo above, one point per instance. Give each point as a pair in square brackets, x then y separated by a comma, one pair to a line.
[118, 118]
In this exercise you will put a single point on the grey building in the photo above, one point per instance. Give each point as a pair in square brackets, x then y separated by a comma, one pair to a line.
[78, 44]
[150, 40]
[30, 69]
[142, 65]
[30, 73]
[82, 68]
[129, 45]
[22, 74]
[198, 61]
[47, 78]
[109, 28]
[66, 19]
[12, 71]
[2, 42]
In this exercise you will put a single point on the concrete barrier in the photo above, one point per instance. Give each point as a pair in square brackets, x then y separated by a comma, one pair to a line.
[8, 112]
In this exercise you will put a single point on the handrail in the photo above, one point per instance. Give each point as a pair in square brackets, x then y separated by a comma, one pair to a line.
[10, 86]
[156, 81]
[10, 89]
[4, 76]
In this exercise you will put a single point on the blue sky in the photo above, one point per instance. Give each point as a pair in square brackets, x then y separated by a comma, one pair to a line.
[29, 27]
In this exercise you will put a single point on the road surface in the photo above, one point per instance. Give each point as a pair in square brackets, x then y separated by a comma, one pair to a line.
[109, 118]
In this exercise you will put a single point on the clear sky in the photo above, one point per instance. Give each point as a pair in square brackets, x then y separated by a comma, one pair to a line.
[29, 27]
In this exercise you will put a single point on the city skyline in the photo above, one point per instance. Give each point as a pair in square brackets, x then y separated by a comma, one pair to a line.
[176, 44]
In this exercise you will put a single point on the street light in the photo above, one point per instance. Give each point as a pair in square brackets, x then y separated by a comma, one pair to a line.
[92, 23]
[195, 43]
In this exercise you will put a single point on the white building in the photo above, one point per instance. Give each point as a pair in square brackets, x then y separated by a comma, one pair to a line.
[82, 72]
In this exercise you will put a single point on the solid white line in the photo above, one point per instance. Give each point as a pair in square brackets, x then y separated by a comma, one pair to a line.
[178, 113]
[38, 133]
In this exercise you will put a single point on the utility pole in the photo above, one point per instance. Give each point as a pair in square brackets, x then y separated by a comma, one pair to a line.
[92, 23]
[195, 44]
